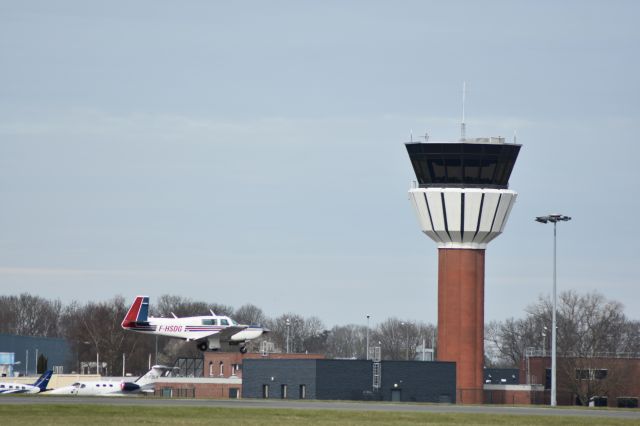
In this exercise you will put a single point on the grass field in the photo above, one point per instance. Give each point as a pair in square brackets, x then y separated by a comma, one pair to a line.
[124, 415]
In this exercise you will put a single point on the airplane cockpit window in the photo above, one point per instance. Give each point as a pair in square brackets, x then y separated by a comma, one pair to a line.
[224, 321]
[76, 384]
[83, 386]
[209, 321]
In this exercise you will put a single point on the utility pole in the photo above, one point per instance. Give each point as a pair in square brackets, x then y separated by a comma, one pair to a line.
[367, 354]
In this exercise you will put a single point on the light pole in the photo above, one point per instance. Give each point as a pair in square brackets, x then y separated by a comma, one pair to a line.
[553, 218]
[288, 324]
[367, 354]
[406, 325]
[407, 342]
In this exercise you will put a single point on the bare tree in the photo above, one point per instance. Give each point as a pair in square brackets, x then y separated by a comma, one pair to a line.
[507, 341]
[591, 331]
[185, 307]
[94, 329]
[29, 315]
[347, 341]
[299, 330]
[249, 314]
[399, 339]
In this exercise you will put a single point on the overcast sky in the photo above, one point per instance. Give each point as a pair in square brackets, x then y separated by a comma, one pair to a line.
[252, 152]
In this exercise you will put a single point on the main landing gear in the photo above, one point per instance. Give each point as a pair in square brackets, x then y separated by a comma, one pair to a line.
[243, 349]
[203, 346]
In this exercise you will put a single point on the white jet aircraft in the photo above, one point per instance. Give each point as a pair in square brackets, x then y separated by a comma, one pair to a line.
[141, 386]
[39, 386]
[208, 331]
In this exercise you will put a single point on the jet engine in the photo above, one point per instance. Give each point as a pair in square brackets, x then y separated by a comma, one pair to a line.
[129, 387]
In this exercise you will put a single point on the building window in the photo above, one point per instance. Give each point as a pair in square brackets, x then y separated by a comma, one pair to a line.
[210, 368]
[591, 373]
[265, 391]
[283, 391]
[627, 402]
[303, 391]
[234, 369]
[221, 368]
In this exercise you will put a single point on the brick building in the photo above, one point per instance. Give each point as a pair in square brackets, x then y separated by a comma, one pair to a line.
[612, 381]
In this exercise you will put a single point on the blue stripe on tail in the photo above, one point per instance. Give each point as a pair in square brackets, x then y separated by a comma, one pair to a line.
[143, 314]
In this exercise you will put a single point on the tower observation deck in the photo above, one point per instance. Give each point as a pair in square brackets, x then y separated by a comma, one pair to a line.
[462, 200]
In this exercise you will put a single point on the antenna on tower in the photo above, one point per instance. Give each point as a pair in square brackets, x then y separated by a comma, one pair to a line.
[463, 126]
[515, 136]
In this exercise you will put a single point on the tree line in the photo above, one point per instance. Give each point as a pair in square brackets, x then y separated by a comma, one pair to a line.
[94, 327]
[588, 325]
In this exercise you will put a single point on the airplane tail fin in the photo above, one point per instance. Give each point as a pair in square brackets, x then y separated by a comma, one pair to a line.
[138, 312]
[155, 373]
[43, 381]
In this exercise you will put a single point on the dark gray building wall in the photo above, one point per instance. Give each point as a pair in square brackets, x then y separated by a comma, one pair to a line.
[56, 350]
[419, 381]
[277, 372]
[350, 379]
[344, 379]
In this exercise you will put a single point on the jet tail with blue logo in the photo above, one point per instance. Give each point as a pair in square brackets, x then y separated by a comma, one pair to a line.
[43, 381]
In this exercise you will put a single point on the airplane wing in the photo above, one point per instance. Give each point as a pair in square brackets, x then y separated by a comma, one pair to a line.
[228, 332]
[225, 334]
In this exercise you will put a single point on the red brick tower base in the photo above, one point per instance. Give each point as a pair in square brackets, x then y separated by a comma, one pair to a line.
[461, 319]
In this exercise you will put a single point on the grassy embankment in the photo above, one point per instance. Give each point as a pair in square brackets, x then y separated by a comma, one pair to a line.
[121, 415]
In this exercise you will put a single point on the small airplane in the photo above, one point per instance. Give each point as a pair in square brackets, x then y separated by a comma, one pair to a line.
[208, 331]
[40, 385]
[142, 385]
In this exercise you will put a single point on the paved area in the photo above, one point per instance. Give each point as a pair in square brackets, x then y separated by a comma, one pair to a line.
[325, 405]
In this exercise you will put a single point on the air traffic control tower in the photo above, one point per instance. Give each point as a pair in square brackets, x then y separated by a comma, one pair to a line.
[462, 201]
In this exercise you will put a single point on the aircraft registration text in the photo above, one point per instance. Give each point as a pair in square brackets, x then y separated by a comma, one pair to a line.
[171, 328]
